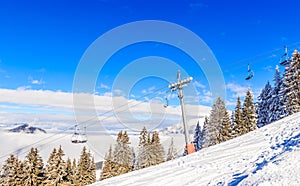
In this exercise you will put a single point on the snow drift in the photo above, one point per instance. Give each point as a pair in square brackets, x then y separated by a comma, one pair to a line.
[267, 156]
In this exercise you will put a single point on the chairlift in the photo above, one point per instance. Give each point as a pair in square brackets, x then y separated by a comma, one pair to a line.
[79, 137]
[250, 73]
[284, 58]
[166, 100]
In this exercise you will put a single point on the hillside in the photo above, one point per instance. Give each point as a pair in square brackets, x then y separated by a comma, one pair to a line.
[267, 155]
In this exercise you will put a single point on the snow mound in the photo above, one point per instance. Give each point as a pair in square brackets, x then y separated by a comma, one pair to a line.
[267, 156]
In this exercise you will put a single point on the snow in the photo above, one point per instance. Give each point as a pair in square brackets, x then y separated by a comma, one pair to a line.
[267, 156]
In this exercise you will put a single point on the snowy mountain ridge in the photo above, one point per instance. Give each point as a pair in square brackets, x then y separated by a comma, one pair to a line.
[178, 128]
[25, 128]
[269, 155]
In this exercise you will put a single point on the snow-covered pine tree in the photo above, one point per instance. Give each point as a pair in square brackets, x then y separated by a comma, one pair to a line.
[144, 154]
[69, 177]
[276, 107]
[74, 168]
[149, 139]
[225, 133]
[172, 152]
[83, 175]
[33, 164]
[143, 137]
[61, 166]
[133, 160]
[232, 119]
[122, 154]
[213, 134]
[198, 138]
[291, 83]
[20, 173]
[249, 113]
[9, 171]
[204, 132]
[92, 169]
[51, 170]
[107, 170]
[265, 100]
[238, 122]
[157, 149]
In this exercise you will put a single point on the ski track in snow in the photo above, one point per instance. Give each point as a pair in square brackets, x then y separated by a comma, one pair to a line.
[267, 156]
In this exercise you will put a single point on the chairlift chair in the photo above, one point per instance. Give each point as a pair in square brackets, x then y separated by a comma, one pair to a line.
[166, 100]
[167, 103]
[78, 137]
[284, 58]
[250, 73]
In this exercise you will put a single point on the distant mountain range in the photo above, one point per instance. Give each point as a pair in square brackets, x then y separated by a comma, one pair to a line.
[178, 128]
[25, 128]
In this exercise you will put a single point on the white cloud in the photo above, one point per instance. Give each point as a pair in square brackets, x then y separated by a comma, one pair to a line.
[230, 103]
[269, 68]
[118, 92]
[198, 84]
[107, 94]
[149, 90]
[55, 109]
[37, 82]
[23, 88]
[103, 86]
[206, 96]
[236, 89]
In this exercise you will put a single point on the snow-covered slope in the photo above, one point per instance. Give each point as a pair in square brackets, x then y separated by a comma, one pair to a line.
[267, 156]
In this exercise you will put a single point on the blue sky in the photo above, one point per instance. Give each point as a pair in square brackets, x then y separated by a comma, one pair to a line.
[42, 42]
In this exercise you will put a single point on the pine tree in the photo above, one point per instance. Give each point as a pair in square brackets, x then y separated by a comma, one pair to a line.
[157, 149]
[20, 173]
[225, 133]
[92, 169]
[107, 171]
[75, 171]
[143, 137]
[276, 107]
[205, 132]
[9, 171]
[238, 123]
[61, 165]
[133, 160]
[69, 176]
[51, 170]
[249, 113]
[213, 135]
[122, 154]
[33, 164]
[172, 152]
[265, 100]
[85, 170]
[291, 86]
[144, 154]
[198, 138]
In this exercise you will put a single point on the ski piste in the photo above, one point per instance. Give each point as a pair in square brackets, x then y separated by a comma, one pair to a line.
[269, 155]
